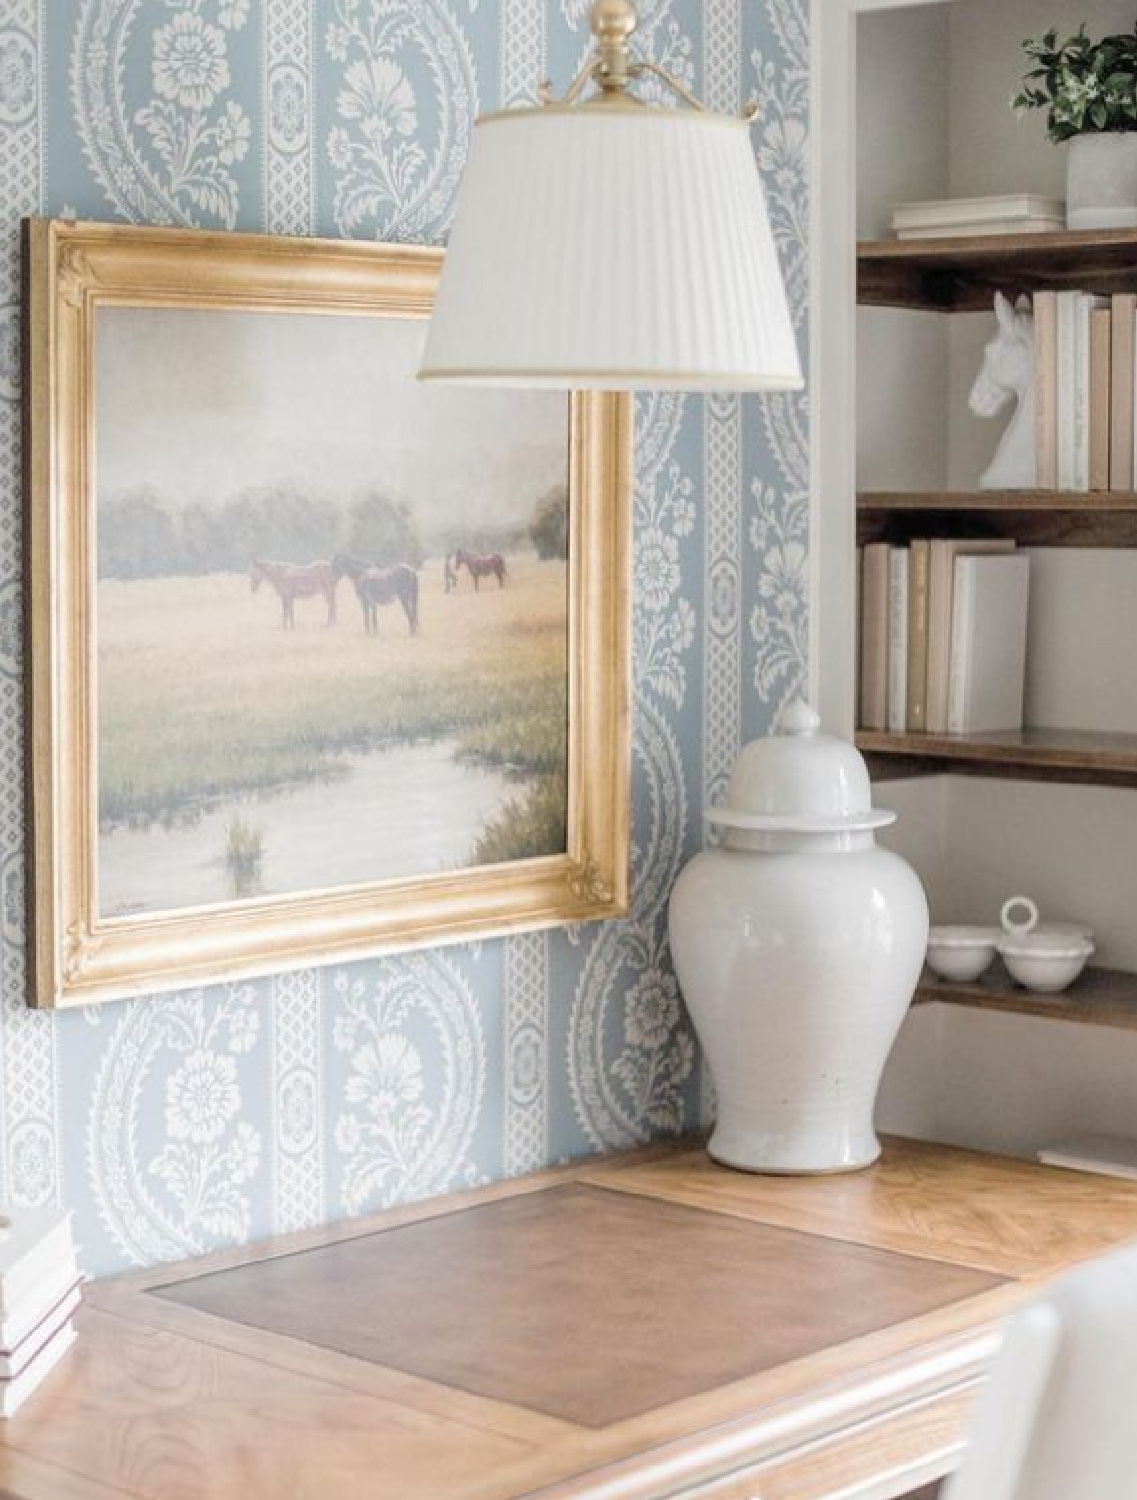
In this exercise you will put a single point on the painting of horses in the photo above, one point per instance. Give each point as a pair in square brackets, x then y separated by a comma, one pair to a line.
[323, 662]
[332, 611]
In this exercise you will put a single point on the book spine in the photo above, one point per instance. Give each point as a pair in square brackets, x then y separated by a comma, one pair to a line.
[874, 637]
[1066, 387]
[1121, 407]
[1046, 388]
[962, 618]
[898, 641]
[939, 635]
[918, 560]
[1101, 360]
[1080, 395]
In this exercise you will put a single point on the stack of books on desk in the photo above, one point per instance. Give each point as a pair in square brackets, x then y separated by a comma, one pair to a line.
[943, 636]
[39, 1292]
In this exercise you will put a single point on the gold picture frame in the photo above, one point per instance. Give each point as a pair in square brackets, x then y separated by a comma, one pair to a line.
[78, 954]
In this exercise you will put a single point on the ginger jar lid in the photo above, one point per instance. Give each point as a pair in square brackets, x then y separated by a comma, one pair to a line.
[798, 780]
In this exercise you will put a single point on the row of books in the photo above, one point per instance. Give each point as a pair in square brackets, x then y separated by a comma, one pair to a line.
[943, 636]
[39, 1293]
[1085, 390]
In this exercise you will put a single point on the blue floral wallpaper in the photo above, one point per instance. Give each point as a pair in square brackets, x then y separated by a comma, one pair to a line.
[175, 1125]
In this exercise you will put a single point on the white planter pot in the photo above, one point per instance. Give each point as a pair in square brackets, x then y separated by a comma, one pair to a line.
[1101, 181]
[798, 946]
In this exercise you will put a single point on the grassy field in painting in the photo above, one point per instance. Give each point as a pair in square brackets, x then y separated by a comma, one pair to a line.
[202, 695]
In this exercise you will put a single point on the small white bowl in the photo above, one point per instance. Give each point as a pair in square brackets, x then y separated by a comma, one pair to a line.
[1045, 968]
[961, 954]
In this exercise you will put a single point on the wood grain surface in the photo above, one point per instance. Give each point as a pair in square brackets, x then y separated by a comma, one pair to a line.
[590, 1293]
[1033, 518]
[990, 1212]
[1085, 756]
[963, 274]
[1099, 997]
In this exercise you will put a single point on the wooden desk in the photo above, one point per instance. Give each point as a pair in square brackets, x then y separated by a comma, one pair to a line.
[644, 1327]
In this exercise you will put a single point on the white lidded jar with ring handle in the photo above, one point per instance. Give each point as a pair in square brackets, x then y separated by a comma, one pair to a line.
[798, 944]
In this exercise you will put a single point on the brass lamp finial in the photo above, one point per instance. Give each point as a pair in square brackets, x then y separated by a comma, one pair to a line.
[613, 24]
[614, 18]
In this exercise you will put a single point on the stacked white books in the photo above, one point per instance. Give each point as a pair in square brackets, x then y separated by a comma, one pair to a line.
[1011, 213]
[943, 636]
[39, 1292]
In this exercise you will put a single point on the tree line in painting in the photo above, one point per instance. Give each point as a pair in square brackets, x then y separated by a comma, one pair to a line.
[141, 537]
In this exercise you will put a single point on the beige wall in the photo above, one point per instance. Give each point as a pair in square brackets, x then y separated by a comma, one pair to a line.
[902, 154]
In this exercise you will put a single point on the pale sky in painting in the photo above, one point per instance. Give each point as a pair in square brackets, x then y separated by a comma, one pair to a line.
[200, 405]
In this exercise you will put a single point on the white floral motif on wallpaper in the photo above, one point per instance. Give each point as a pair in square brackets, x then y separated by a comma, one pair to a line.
[779, 526]
[193, 1193]
[288, 108]
[31, 1159]
[665, 619]
[387, 178]
[415, 1081]
[196, 135]
[780, 621]
[17, 77]
[656, 1063]
[631, 1054]
[197, 143]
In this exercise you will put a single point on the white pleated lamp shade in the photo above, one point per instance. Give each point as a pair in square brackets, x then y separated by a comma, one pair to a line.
[613, 247]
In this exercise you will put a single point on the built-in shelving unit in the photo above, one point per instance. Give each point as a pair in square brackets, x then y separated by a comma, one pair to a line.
[962, 275]
[918, 112]
[1101, 997]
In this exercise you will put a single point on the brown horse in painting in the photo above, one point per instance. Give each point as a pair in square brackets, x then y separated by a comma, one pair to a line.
[492, 566]
[292, 582]
[376, 587]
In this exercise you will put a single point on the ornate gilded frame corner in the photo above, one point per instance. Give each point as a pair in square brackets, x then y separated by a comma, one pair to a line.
[78, 957]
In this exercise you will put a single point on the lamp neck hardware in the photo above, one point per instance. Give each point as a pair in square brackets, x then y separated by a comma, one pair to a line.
[614, 66]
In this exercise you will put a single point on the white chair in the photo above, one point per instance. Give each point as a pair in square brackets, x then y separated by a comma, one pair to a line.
[1058, 1419]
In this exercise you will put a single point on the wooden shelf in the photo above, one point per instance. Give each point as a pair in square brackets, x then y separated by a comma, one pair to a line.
[1023, 502]
[1100, 997]
[1072, 755]
[963, 275]
[1036, 518]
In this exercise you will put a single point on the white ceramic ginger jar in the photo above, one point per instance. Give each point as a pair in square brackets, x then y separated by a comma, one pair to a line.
[798, 944]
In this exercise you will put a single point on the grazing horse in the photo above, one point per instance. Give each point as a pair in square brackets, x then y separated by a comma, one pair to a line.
[293, 582]
[481, 567]
[375, 587]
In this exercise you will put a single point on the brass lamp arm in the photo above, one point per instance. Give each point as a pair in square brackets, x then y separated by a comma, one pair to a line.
[677, 87]
[590, 73]
[681, 91]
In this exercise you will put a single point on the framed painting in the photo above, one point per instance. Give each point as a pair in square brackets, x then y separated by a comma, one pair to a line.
[323, 662]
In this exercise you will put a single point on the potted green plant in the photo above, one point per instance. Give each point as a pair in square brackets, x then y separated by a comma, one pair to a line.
[1089, 90]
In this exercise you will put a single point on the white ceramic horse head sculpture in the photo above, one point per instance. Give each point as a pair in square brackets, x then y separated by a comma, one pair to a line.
[1008, 371]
